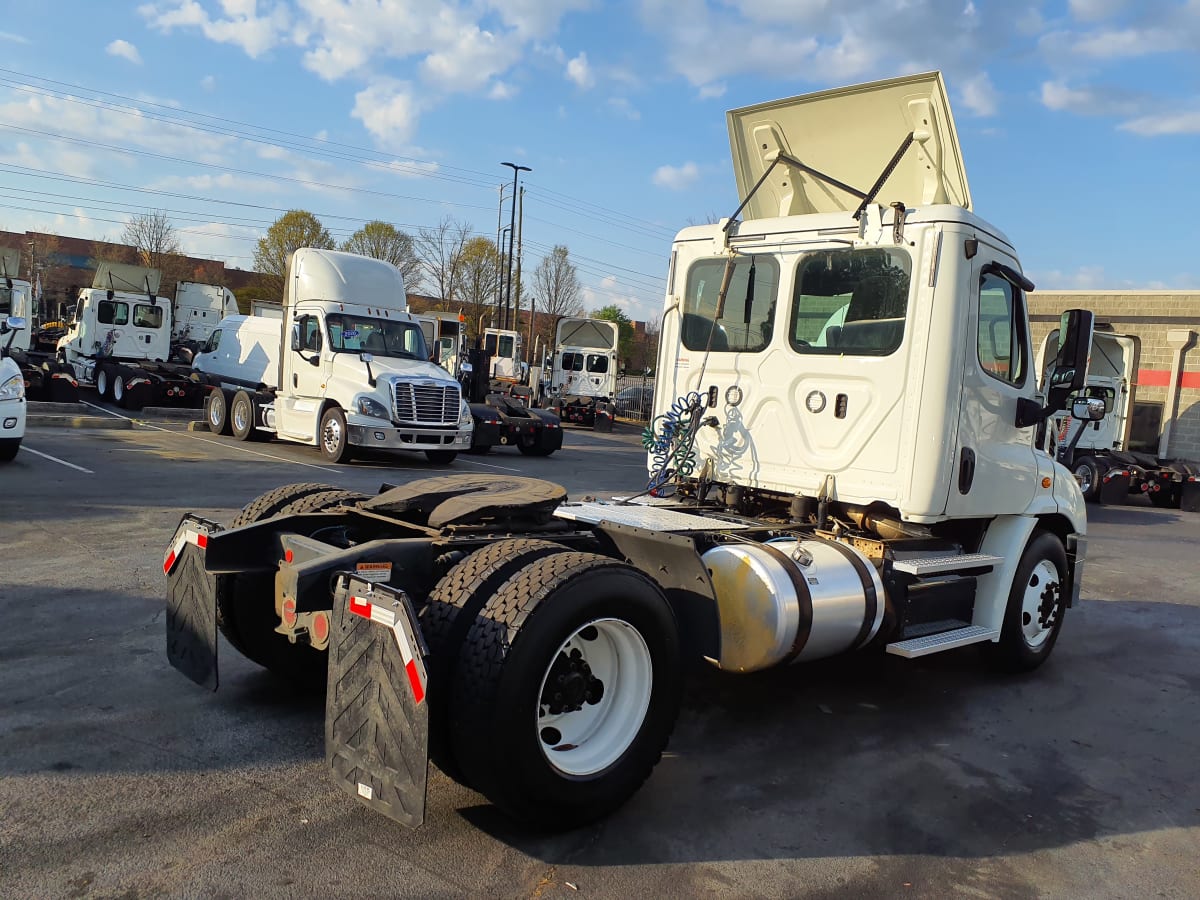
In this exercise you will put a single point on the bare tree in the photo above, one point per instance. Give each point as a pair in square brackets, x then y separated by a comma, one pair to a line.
[382, 240]
[296, 228]
[478, 269]
[556, 286]
[440, 250]
[156, 242]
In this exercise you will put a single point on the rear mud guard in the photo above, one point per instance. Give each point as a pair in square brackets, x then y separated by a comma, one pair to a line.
[192, 603]
[376, 717]
[1114, 488]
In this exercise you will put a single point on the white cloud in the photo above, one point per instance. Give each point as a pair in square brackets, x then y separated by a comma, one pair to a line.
[13, 38]
[676, 178]
[242, 25]
[272, 151]
[712, 91]
[1090, 101]
[979, 95]
[623, 107]
[406, 168]
[1187, 122]
[502, 90]
[224, 181]
[1095, 10]
[579, 72]
[469, 59]
[208, 82]
[389, 109]
[125, 50]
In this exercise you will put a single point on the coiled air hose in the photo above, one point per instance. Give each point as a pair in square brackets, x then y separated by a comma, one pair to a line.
[669, 439]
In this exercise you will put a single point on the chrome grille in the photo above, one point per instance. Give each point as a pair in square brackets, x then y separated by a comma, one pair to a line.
[425, 402]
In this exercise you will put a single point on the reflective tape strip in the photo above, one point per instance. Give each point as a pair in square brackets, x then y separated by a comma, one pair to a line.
[187, 536]
[381, 615]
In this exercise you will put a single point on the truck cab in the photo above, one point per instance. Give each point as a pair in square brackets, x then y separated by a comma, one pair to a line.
[583, 380]
[356, 372]
[506, 350]
[197, 310]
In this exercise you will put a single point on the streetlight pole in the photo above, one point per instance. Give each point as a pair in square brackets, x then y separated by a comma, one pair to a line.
[512, 226]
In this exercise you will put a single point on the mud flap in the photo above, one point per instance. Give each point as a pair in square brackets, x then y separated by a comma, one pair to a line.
[192, 603]
[603, 418]
[1114, 487]
[1189, 499]
[376, 717]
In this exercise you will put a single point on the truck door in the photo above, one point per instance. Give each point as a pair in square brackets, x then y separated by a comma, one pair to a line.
[304, 376]
[996, 472]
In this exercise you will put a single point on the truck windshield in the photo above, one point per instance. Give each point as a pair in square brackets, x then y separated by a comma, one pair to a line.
[379, 337]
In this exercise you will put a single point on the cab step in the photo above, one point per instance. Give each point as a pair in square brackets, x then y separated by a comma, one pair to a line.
[946, 640]
[936, 565]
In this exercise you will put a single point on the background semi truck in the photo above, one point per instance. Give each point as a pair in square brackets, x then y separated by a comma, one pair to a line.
[45, 378]
[849, 454]
[346, 368]
[124, 339]
[583, 382]
[1109, 466]
[12, 391]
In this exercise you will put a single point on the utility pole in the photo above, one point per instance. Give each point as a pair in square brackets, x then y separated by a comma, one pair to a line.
[512, 224]
[520, 229]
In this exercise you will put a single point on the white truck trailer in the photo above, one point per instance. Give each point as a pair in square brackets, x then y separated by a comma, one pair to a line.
[849, 455]
[354, 373]
[583, 382]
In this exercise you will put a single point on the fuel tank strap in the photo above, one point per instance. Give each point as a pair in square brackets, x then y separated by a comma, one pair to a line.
[804, 601]
[870, 595]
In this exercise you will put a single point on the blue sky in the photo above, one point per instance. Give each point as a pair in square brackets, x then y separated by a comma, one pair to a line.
[1079, 120]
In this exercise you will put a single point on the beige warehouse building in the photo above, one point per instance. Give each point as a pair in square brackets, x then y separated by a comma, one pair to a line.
[1167, 324]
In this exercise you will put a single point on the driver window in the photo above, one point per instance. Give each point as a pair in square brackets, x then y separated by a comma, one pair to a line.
[310, 333]
[1001, 337]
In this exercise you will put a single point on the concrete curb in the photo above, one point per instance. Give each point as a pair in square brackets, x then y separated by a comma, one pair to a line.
[166, 412]
[44, 420]
[42, 407]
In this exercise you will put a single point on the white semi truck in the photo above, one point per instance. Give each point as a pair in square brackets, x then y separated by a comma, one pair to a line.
[12, 391]
[849, 456]
[195, 313]
[122, 339]
[583, 381]
[45, 378]
[345, 369]
[1110, 468]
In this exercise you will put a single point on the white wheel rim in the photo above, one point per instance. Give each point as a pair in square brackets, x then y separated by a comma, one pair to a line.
[332, 435]
[591, 733]
[102, 382]
[1084, 474]
[119, 389]
[1041, 605]
[239, 416]
[215, 409]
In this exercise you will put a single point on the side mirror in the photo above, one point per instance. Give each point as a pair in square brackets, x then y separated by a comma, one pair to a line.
[14, 323]
[1088, 409]
[366, 357]
[1068, 372]
[296, 336]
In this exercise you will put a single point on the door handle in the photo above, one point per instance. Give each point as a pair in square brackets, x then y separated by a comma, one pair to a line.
[966, 470]
[295, 380]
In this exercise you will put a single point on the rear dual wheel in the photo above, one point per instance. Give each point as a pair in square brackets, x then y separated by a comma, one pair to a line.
[565, 689]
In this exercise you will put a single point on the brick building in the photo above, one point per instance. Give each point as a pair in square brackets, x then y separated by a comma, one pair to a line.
[1158, 319]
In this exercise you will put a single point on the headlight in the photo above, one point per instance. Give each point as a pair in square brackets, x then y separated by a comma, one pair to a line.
[13, 389]
[464, 415]
[373, 408]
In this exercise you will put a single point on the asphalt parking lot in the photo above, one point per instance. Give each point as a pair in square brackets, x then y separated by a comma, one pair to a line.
[862, 776]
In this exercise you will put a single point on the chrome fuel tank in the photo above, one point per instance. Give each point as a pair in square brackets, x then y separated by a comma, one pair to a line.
[789, 600]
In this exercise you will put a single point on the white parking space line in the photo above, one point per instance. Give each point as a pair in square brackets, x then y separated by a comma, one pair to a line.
[472, 462]
[61, 462]
[146, 424]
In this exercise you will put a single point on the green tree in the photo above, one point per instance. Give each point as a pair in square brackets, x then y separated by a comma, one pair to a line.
[294, 229]
[382, 240]
[478, 268]
[614, 313]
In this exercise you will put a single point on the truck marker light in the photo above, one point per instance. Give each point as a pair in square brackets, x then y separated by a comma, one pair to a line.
[320, 626]
[288, 556]
[387, 617]
[289, 612]
[1046, 482]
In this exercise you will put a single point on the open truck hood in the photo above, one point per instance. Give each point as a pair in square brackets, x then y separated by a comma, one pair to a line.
[850, 134]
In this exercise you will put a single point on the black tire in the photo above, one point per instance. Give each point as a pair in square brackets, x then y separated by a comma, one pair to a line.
[441, 457]
[1090, 474]
[9, 448]
[103, 381]
[453, 605]
[535, 450]
[1014, 652]
[246, 606]
[506, 660]
[241, 417]
[333, 439]
[227, 589]
[216, 411]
